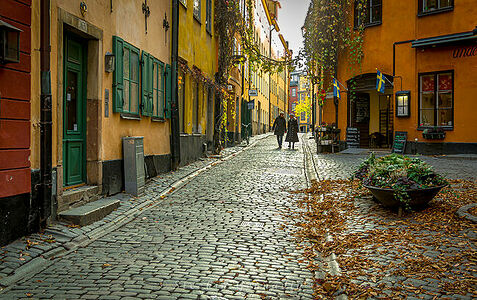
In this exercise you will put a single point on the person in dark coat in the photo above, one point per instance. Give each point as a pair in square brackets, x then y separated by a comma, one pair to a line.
[292, 133]
[279, 128]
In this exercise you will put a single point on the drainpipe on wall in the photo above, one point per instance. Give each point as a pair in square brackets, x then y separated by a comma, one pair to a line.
[45, 114]
[175, 134]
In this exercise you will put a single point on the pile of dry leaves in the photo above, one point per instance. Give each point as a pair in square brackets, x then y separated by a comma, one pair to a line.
[429, 252]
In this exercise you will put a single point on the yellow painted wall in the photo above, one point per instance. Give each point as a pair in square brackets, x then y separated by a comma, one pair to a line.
[198, 48]
[126, 21]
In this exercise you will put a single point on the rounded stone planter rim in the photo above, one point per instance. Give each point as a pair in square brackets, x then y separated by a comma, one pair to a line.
[408, 190]
[417, 197]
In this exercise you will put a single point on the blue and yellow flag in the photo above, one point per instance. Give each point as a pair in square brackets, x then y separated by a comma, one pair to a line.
[380, 82]
[336, 89]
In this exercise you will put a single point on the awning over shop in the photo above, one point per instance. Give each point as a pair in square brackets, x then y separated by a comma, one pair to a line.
[445, 40]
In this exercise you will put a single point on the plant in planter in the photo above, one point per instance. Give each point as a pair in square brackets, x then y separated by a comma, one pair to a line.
[397, 180]
[434, 133]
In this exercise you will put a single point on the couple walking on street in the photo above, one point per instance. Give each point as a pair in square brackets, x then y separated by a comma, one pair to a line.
[280, 127]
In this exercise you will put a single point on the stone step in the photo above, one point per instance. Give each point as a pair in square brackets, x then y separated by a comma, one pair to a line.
[90, 212]
[78, 196]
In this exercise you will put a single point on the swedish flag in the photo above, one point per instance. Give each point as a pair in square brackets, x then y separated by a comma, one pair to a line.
[380, 82]
[336, 89]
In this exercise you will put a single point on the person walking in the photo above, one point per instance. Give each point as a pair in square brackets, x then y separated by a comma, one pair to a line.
[292, 133]
[279, 128]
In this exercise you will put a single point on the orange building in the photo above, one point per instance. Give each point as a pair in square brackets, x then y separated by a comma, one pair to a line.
[427, 52]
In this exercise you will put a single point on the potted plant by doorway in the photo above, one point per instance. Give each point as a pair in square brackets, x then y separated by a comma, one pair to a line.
[400, 181]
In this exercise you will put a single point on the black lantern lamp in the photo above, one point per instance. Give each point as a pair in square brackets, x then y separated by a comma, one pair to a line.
[109, 62]
[9, 43]
[403, 99]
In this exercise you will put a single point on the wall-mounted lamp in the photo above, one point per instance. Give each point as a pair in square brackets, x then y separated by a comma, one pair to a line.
[109, 62]
[9, 43]
[165, 23]
[403, 99]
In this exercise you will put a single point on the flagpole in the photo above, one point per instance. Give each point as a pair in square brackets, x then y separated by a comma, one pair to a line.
[341, 84]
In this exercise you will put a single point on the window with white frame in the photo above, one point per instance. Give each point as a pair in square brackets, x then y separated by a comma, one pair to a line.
[430, 6]
[436, 99]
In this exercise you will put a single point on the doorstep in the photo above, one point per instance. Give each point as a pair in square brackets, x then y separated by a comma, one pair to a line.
[77, 197]
[90, 212]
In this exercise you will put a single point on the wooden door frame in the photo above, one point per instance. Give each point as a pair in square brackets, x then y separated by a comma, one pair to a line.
[94, 36]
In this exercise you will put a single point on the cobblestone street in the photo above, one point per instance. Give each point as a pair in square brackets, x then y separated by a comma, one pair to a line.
[218, 237]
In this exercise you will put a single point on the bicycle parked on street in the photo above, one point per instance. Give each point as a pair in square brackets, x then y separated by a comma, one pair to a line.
[245, 128]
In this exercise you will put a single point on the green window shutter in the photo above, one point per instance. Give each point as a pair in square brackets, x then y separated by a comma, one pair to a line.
[118, 88]
[151, 99]
[168, 92]
[145, 83]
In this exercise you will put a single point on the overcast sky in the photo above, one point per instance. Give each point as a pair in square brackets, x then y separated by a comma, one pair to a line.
[291, 18]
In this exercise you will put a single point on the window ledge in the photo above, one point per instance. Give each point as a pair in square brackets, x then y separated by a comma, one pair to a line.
[445, 128]
[369, 25]
[436, 11]
[128, 116]
[157, 119]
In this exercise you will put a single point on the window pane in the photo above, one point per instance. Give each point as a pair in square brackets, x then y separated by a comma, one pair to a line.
[126, 95]
[71, 101]
[427, 117]
[134, 67]
[134, 97]
[445, 81]
[197, 9]
[445, 100]
[446, 3]
[154, 88]
[428, 101]
[161, 104]
[376, 14]
[126, 63]
[429, 5]
[444, 117]
[427, 83]
[159, 77]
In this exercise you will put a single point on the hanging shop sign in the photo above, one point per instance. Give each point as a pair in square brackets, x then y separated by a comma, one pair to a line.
[252, 93]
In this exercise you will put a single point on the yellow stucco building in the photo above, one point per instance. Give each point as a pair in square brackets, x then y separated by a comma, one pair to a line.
[197, 67]
[109, 79]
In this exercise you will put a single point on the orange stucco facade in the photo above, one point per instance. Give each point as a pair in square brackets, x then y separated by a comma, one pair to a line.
[401, 27]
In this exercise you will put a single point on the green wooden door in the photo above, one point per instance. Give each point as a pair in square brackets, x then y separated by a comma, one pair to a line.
[74, 112]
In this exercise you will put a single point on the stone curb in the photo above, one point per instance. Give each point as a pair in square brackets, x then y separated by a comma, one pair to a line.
[463, 212]
[312, 174]
[38, 264]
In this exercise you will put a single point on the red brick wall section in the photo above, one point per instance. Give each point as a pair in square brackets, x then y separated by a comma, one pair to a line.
[15, 82]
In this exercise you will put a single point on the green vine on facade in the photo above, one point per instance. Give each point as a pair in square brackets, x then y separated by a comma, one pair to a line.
[329, 33]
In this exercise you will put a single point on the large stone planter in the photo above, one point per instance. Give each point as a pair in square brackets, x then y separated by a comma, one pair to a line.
[418, 197]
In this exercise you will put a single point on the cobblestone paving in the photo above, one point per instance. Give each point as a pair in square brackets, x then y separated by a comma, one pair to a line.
[23, 250]
[218, 237]
[341, 166]
[449, 250]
